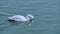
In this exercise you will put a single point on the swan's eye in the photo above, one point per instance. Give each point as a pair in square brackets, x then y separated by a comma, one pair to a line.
[29, 17]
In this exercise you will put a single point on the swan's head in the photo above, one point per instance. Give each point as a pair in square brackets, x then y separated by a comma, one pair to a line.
[30, 16]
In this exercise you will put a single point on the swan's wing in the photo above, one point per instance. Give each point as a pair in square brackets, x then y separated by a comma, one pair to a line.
[18, 18]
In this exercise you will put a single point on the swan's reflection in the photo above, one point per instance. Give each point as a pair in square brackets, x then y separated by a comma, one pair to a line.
[12, 22]
[30, 22]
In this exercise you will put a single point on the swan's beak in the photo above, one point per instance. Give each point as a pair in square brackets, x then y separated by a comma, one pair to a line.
[33, 19]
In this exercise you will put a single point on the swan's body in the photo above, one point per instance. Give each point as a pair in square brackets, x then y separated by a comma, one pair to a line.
[21, 18]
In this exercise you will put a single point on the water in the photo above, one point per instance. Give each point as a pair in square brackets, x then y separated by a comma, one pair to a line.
[46, 13]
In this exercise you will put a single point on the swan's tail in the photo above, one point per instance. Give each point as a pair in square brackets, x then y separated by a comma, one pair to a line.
[9, 17]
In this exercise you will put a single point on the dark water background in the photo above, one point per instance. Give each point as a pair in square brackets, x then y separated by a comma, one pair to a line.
[46, 13]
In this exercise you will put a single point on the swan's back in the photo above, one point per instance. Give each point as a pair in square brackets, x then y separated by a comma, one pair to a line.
[18, 18]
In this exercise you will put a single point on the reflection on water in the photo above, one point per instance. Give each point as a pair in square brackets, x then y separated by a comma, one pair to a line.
[30, 22]
[14, 23]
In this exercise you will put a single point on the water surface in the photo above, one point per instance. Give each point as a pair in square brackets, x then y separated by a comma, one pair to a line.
[46, 13]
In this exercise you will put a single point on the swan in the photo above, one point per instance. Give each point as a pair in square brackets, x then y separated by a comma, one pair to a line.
[21, 17]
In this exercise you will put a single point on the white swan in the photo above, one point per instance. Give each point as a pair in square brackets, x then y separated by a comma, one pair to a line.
[21, 18]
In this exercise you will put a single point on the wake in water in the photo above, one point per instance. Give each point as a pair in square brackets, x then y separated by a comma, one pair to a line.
[5, 14]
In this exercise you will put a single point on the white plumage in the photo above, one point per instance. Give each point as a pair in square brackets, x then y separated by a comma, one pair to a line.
[21, 17]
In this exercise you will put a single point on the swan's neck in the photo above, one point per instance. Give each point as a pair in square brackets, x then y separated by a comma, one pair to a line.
[27, 18]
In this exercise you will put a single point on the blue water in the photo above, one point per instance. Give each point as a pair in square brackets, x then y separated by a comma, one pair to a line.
[46, 13]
